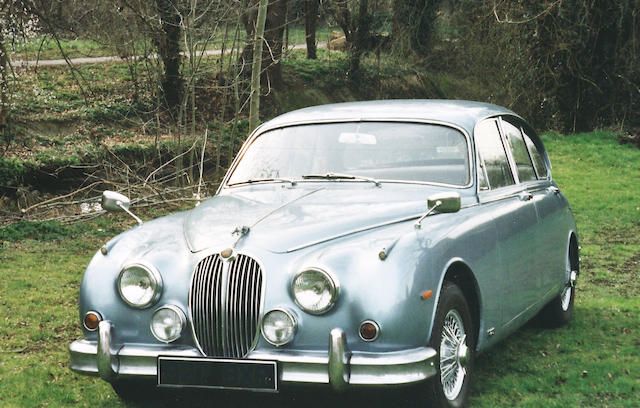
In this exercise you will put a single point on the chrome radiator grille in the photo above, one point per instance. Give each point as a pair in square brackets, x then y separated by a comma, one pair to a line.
[225, 300]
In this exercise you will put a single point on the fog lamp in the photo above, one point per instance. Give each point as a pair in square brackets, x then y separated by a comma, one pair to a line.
[167, 323]
[369, 330]
[91, 320]
[278, 327]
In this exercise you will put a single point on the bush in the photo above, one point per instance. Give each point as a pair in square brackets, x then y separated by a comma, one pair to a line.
[11, 172]
[571, 65]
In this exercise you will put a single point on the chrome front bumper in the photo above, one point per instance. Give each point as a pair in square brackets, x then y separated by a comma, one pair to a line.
[339, 367]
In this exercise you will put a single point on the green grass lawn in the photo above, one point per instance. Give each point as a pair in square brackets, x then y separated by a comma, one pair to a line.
[594, 361]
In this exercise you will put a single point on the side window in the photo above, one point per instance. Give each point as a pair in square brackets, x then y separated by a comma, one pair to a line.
[493, 157]
[519, 152]
[483, 184]
[538, 162]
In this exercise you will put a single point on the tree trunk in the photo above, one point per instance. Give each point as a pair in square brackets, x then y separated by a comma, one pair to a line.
[273, 40]
[254, 105]
[360, 34]
[168, 43]
[310, 23]
[4, 83]
[413, 25]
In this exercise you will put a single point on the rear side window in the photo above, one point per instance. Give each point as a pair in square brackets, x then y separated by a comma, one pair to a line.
[493, 157]
[538, 161]
[519, 152]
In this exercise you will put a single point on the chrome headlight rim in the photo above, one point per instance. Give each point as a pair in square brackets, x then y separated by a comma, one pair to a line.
[156, 278]
[291, 316]
[331, 278]
[181, 315]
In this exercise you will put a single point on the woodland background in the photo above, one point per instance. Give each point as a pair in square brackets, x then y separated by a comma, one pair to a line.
[168, 112]
[162, 120]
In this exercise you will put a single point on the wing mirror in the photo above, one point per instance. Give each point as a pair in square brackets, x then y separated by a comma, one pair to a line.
[447, 202]
[114, 202]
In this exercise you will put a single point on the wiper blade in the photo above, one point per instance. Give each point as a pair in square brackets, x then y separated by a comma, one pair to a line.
[277, 180]
[340, 176]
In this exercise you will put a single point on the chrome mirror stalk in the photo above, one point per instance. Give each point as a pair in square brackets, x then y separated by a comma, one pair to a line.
[114, 202]
[448, 202]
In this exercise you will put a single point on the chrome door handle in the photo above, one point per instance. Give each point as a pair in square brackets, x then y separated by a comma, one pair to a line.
[554, 190]
[525, 196]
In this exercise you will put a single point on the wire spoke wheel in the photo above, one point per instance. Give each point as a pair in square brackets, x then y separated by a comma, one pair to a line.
[559, 310]
[453, 355]
[570, 283]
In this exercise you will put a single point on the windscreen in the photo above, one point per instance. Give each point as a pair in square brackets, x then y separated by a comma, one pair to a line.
[381, 150]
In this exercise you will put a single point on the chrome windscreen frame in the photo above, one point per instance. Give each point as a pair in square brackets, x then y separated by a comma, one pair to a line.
[471, 172]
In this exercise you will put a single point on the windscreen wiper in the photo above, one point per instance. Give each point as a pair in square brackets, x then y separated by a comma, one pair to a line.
[340, 176]
[277, 180]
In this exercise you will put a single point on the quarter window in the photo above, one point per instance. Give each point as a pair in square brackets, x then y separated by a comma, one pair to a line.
[519, 152]
[492, 155]
[538, 162]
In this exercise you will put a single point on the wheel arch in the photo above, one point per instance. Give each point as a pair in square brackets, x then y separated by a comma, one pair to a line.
[574, 252]
[460, 274]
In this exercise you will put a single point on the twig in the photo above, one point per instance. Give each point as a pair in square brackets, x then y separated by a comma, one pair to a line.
[26, 210]
[204, 145]
[543, 12]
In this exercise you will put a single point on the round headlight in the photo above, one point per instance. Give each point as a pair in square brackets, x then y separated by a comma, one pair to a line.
[167, 323]
[139, 285]
[315, 290]
[278, 327]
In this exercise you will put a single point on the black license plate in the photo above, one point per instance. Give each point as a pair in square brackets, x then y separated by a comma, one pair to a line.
[218, 373]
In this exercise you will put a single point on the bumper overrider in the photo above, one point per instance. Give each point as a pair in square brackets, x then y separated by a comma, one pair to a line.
[338, 367]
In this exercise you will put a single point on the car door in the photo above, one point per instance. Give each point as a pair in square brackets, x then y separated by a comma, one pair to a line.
[515, 217]
[550, 205]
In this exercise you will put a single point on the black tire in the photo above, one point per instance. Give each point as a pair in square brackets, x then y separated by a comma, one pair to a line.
[134, 391]
[452, 310]
[559, 311]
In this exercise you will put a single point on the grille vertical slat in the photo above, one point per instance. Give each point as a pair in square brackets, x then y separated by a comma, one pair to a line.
[243, 310]
[225, 300]
[204, 290]
[236, 304]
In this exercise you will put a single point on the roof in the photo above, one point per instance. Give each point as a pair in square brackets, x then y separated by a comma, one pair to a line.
[464, 114]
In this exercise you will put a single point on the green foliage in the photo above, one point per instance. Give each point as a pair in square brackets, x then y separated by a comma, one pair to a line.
[109, 112]
[11, 171]
[40, 231]
[414, 24]
[572, 65]
[328, 70]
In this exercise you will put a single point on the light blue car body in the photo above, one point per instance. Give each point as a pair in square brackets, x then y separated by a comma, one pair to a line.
[508, 254]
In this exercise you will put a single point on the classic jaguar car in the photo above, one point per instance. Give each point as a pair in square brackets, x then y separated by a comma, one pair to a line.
[357, 244]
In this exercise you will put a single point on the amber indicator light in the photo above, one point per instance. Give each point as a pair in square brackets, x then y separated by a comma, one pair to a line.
[91, 320]
[368, 331]
[426, 295]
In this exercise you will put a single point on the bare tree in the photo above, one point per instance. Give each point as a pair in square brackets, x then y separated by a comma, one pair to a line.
[15, 21]
[354, 17]
[276, 19]
[310, 25]
[413, 25]
[257, 65]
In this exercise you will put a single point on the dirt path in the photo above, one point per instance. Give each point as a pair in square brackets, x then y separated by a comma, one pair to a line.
[97, 60]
